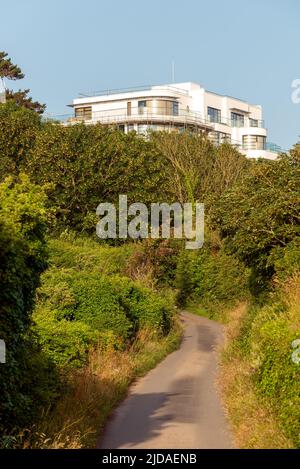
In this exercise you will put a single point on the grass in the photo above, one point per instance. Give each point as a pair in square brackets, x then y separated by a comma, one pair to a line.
[254, 423]
[93, 391]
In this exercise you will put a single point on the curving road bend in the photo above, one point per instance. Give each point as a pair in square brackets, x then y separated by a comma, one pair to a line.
[176, 405]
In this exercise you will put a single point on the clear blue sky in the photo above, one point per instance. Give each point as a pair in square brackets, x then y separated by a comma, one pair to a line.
[248, 49]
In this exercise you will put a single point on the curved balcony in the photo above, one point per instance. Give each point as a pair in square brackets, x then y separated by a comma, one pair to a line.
[136, 116]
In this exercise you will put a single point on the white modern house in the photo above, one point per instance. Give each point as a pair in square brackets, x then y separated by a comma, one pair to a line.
[178, 107]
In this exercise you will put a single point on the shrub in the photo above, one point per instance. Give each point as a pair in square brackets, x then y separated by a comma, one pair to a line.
[218, 277]
[23, 257]
[270, 335]
[80, 303]
[145, 308]
[261, 213]
[209, 276]
[18, 131]
[79, 307]
[82, 253]
[286, 259]
[89, 164]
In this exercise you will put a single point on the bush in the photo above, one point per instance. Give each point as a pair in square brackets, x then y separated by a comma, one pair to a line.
[145, 308]
[18, 131]
[286, 259]
[270, 335]
[218, 277]
[23, 257]
[80, 303]
[209, 276]
[261, 213]
[82, 253]
[89, 164]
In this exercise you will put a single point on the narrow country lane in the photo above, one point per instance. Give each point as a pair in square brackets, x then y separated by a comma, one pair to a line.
[176, 405]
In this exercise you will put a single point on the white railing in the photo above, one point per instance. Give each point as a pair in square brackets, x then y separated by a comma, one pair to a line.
[118, 116]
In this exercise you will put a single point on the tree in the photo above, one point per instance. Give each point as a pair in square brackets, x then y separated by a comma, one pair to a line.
[13, 72]
[8, 69]
[190, 158]
[23, 257]
[21, 98]
[18, 129]
[260, 213]
[89, 164]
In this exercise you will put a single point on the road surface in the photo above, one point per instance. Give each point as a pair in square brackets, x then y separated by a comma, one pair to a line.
[176, 405]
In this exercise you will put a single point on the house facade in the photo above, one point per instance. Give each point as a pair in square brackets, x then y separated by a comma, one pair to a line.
[178, 107]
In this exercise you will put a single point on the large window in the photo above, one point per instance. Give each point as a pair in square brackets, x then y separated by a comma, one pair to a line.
[237, 120]
[142, 106]
[253, 122]
[175, 108]
[219, 137]
[254, 142]
[84, 113]
[214, 115]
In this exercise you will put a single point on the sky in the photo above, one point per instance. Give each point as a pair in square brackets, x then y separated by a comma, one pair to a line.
[246, 49]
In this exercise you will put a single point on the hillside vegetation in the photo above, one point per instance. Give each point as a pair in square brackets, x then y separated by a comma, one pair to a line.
[82, 318]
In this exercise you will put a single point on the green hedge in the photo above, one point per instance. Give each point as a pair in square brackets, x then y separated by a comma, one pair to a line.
[268, 338]
[23, 257]
[83, 303]
[209, 276]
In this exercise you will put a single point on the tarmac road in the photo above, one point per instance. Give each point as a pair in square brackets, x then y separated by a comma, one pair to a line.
[176, 405]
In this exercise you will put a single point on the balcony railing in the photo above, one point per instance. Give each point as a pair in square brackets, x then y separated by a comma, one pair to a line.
[140, 115]
[183, 118]
[107, 92]
[235, 123]
[117, 116]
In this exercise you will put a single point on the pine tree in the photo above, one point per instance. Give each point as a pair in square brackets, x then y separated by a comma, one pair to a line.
[11, 71]
[21, 98]
[8, 69]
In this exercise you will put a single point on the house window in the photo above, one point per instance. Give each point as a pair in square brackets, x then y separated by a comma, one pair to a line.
[128, 108]
[214, 115]
[142, 105]
[220, 137]
[84, 113]
[175, 108]
[253, 122]
[237, 120]
[130, 128]
[254, 142]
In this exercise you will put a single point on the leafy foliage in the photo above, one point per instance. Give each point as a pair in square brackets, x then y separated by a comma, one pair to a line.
[266, 337]
[23, 257]
[21, 99]
[92, 164]
[210, 277]
[261, 212]
[80, 305]
[199, 170]
[8, 69]
[18, 130]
